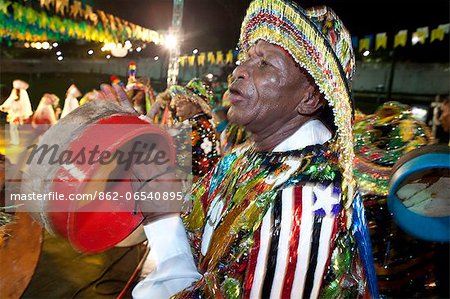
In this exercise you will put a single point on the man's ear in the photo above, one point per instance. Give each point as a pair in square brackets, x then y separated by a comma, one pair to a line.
[311, 102]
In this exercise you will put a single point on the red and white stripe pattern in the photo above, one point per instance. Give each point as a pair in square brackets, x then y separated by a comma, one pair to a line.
[291, 248]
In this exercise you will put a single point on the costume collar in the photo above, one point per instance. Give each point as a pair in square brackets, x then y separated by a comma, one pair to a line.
[312, 132]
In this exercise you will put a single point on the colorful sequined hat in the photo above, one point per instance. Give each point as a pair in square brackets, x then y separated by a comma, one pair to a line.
[195, 91]
[317, 41]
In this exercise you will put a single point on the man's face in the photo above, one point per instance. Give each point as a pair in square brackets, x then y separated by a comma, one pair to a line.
[139, 97]
[186, 109]
[267, 88]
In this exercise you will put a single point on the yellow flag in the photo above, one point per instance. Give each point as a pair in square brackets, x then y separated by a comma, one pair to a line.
[46, 3]
[400, 38]
[112, 22]
[60, 6]
[381, 41]
[229, 57]
[420, 35]
[102, 16]
[18, 12]
[201, 58]
[211, 57]
[87, 12]
[191, 60]
[364, 44]
[119, 24]
[437, 34]
[183, 60]
[219, 57]
[75, 9]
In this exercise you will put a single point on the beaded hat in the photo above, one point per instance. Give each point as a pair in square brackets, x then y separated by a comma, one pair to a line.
[195, 91]
[316, 40]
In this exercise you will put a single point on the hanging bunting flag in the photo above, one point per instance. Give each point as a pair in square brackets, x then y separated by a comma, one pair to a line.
[445, 27]
[364, 44]
[219, 57]
[437, 34]
[229, 57]
[75, 9]
[191, 60]
[102, 16]
[18, 12]
[60, 6]
[119, 24]
[31, 16]
[4, 6]
[400, 38]
[420, 36]
[87, 12]
[112, 22]
[46, 3]
[211, 58]
[381, 41]
[201, 58]
[183, 60]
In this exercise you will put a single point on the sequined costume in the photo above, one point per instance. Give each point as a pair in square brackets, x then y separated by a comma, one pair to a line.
[204, 144]
[272, 225]
[266, 225]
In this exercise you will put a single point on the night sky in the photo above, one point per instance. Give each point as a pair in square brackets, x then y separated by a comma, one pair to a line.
[215, 24]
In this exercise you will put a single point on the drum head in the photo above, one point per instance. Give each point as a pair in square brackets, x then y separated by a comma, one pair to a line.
[419, 193]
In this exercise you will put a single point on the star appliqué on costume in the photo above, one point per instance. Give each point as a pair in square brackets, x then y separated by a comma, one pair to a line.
[326, 200]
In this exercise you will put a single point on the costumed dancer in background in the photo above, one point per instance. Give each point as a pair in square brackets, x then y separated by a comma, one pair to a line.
[139, 91]
[191, 107]
[380, 140]
[279, 217]
[160, 112]
[46, 112]
[18, 107]
[71, 102]
[406, 267]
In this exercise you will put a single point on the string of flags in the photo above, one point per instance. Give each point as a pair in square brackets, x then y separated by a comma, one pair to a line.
[57, 20]
[210, 57]
[420, 36]
[368, 42]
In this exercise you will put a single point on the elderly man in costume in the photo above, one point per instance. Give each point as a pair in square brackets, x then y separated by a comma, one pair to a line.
[18, 107]
[279, 217]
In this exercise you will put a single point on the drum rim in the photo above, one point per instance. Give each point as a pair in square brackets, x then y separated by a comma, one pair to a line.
[427, 228]
[434, 148]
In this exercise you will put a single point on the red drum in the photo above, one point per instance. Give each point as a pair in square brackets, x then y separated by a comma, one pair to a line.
[89, 226]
